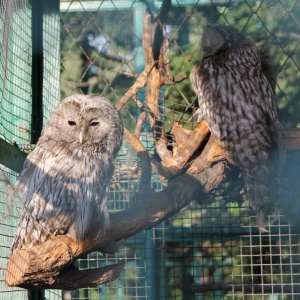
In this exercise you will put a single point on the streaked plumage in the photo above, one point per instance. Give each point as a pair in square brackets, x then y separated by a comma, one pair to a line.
[65, 179]
[235, 85]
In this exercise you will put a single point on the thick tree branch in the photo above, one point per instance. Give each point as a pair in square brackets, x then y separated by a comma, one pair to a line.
[194, 167]
[40, 266]
[185, 150]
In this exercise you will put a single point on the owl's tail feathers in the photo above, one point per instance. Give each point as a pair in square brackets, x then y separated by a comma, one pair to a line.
[259, 192]
[260, 219]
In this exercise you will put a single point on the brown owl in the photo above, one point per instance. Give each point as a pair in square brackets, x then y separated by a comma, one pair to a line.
[65, 180]
[235, 85]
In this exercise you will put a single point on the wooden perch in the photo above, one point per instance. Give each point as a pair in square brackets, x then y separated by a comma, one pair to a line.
[47, 265]
[26, 267]
[152, 44]
[156, 60]
[41, 266]
[139, 84]
[197, 161]
[194, 141]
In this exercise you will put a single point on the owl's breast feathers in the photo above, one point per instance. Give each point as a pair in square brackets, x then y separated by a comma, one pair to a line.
[62, 195]
[237, 101]
[63, 186]
[235, 85]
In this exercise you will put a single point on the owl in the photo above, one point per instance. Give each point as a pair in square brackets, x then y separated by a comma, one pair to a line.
[64, 183]
[235, 85]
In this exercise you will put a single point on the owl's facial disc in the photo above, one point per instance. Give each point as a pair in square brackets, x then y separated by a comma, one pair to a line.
[72, 123]
[89, 128]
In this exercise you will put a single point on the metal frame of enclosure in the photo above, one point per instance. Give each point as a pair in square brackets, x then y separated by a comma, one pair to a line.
[212, 251]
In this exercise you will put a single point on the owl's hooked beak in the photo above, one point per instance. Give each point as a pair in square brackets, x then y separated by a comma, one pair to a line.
[81, 137]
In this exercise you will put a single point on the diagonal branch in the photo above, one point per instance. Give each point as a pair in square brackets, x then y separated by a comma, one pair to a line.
[140, 83]
[198, 164]
[41, 266]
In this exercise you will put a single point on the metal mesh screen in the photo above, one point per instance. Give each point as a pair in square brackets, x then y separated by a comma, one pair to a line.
[14, 119]
[15, 73]
[18, 27]
[207, 252]
[212, 251]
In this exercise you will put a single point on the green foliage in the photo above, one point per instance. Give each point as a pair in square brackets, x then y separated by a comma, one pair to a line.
[95, 54]
[270, 25]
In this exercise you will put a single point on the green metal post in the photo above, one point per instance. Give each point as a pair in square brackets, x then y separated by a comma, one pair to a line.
[37, 90]
[36, 295]
[44, 25]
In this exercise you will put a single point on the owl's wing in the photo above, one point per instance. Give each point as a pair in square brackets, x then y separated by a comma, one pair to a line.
[275, 127]
[102, 204]
[48, 190]
[239, 110]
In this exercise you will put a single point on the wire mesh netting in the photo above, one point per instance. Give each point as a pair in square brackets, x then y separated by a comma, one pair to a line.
[211, 252]
[17, 116]
[14, 119]
[207, 251]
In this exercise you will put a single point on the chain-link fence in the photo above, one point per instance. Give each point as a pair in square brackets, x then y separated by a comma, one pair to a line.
[207, 251]
[29, 70]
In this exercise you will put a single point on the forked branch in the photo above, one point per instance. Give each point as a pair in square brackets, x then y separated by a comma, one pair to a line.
[197, 161]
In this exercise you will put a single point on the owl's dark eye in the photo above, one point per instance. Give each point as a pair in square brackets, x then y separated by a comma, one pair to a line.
[94, 123]
[71, 123]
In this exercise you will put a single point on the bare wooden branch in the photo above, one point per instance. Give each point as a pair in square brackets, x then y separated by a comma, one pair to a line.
[185, 150]
[141, 120]
[41, 265]
[139, 84]
[156, 54]
[72, 278]
[69, 278]
[195, 141]
[198, 162]
[152, 49]
[210, 154]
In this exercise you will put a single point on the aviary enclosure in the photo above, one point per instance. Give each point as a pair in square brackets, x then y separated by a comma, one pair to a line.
[179, 226]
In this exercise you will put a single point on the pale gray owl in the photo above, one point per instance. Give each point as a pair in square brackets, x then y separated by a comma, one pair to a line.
[235, 85]
[65, 180]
